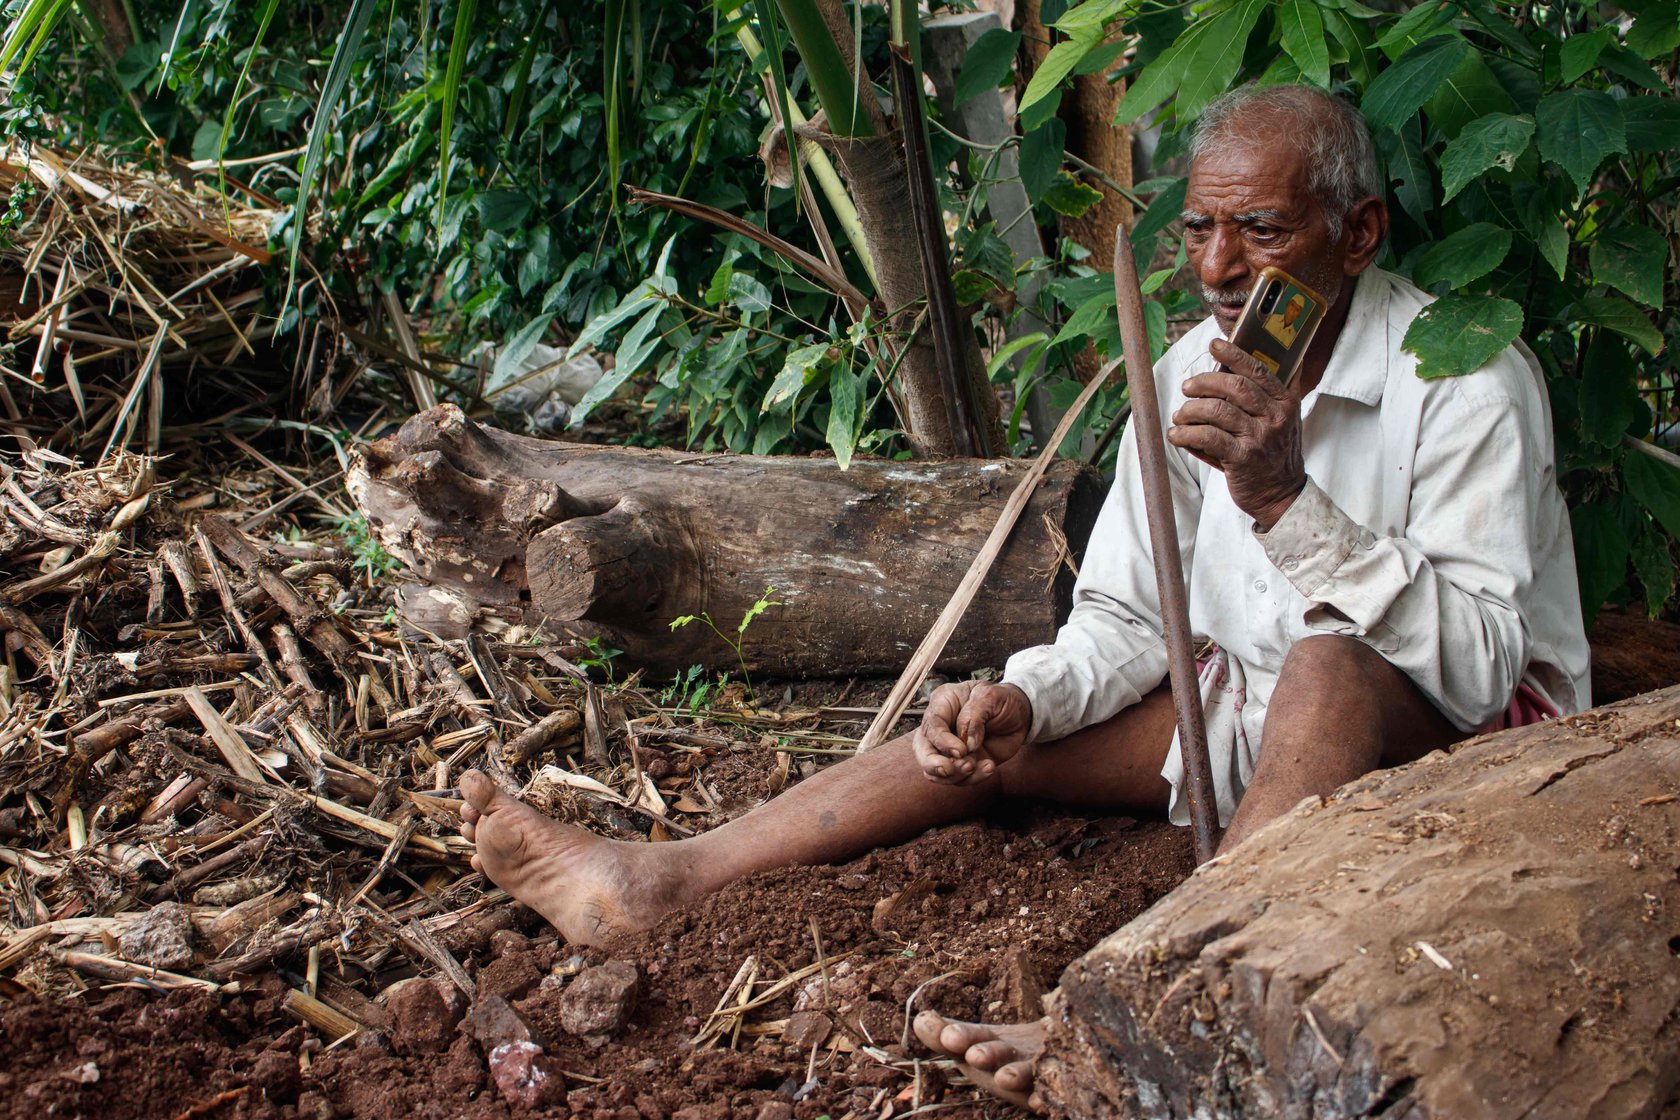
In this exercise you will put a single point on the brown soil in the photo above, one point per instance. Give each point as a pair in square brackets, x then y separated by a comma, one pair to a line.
[986, 915]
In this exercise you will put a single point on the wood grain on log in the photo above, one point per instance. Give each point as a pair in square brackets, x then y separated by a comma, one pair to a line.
[1490, 932]
[587, 540]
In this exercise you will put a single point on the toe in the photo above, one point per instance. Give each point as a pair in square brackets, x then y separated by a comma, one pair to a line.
[468, 831]
[990, 1054]
[929, 1025]
[1016, 1077]
[478, 790]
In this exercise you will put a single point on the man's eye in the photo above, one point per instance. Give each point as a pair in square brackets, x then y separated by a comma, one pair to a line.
[1262, 233]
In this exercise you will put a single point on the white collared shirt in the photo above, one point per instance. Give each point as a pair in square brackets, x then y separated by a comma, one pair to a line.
[1431, 528]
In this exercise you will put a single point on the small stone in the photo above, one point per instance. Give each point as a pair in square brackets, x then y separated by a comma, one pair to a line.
[494, 1023]
[806, 1029]
[506, 941]
[276, 1073]
[716, 1110]
[775, 1110]
[423, 1018]
[524, 1075]
[161, 939]
[511, 976]
[600, 1000]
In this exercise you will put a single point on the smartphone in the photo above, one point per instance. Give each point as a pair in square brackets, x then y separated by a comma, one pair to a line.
[1278, 321]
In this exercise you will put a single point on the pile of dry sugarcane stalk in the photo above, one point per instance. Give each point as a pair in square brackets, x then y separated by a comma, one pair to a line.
[116, 275]
[220, 757]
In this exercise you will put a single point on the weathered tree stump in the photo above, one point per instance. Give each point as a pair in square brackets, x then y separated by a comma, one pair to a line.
[1490, 932]
[615, 542]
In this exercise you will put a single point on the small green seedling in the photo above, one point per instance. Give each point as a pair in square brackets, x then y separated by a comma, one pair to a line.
[764, 603]
[368, 555]
[600, 656]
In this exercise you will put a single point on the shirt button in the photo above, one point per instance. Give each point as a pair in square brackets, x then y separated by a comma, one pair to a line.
[1260, 586]
[1290, 564]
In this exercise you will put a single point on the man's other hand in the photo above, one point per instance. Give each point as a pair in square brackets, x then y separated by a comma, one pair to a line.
[971, 729]
[1242, 421]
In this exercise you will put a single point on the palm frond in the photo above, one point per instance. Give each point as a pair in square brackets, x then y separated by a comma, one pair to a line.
[458, 43]
[30, 29]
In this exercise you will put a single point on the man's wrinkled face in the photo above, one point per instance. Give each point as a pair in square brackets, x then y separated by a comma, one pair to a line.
[1247, 209]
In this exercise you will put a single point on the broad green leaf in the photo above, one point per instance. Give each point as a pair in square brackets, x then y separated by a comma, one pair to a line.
[1422, 23]
[1609, 397]
[1058, 64]
[1361, 62]
[534, 265]
[1215, 56]
[461, 37]
[986, 64]
[640, 341]
[1302, 33]
[796, 374]
[1617, 314]
[1601, 555]
[1656, 486]
[1458, 334]
[845, 395]
[718, 290]
[1103, 57]
[1088, 318]
[1154, 85]
[1401, 90]
[1577, 129]
[509, 358]
[1470, 92]
[1409, 170]
[1041, 157]
[1579, 53]
[1163, 210]
[1628, 66]
[1551, 239]
[1467, 255]
[1070, 198]
[747, 294]
[1655, 568]
[504, 210]
[1652, 123]
[1656, 31]
[1632, 258]
[1495, 140]
[648, 291]
[1086, 16]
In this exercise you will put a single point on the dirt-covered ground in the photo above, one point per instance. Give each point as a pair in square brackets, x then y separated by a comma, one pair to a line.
[975, 919]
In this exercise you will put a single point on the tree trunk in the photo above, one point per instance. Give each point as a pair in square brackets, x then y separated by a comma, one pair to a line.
[1490, 932]
[613, 542]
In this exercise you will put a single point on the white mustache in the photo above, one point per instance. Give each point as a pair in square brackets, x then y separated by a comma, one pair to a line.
[1227, 296]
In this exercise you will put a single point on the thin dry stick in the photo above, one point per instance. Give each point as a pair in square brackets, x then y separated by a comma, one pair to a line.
[934, 644]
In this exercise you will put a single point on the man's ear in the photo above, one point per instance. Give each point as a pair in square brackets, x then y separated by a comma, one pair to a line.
[1365, 228]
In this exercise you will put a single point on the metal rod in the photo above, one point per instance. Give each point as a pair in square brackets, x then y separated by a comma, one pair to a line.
[1163, 543]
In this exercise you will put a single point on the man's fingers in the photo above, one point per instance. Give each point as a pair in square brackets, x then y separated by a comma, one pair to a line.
[1239, 361]
[1216, 411]
[1245, 393]
[1212, 445]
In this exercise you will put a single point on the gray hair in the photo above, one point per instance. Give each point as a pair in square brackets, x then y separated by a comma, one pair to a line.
[1333, 136]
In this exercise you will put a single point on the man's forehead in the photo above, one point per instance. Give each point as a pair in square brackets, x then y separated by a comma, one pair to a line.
[1249, 180]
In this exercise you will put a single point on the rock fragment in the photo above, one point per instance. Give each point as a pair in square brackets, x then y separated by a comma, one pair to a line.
[806, 1029]
[423, 1016]
[600, 1000]
[525, 1076]
[494, 1023]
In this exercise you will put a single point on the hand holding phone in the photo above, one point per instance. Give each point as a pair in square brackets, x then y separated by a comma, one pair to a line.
[1278, 322]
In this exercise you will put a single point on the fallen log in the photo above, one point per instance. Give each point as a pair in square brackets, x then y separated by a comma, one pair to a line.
[614, 543]
[1489, 932]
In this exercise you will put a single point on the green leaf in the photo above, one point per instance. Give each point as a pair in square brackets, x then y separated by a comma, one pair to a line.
[1579, 53]
[1617, 314]
[1495, 140]
[504, 210]
[1041, 157]
[1656, 486]
[1652, 123]
[465, 11]
[1401, 90]
[1548, 232]
[796, 374]
[1601, 555]
[1403, 153]
[1070, 198]
[1215, 56]
[1608, 397]
[1471, 91]
[1302, 32]
[1058, 64]
[747, 294]
[1655, 568]
[1628, 66]
[1086, 16]
[1163, 210]
[1361, 62]
[845, 395]
[1089, 318]
[718, 290]
[1577, 129]
[509, 358]
[1422, 23]
[1009, 349]
[648, 291]
[1458, 334]
[1467, 255]
[1631, 258]
[1656, 31]
[986, 64]
[640, 341]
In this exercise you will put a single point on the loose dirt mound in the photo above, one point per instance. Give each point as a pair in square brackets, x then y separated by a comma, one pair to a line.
[974, 919]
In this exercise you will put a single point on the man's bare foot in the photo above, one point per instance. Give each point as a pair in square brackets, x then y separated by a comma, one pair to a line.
[1000, 1060]
[590, 888]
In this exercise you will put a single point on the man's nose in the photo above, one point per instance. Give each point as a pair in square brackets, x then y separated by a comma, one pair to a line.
[1222, 263]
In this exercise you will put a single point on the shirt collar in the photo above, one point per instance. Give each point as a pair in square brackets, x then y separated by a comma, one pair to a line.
[1358, 368]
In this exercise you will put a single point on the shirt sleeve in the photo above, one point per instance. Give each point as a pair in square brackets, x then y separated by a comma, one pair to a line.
[1442, 602]
[1111, 653]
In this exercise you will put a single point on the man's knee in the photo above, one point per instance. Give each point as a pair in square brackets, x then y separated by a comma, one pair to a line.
[1334, 661]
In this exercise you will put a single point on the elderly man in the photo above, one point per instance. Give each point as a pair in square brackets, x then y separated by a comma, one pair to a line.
[1380, 563]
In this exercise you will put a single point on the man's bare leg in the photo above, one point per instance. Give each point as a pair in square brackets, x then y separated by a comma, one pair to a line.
[592, 888]
[1339, 711]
